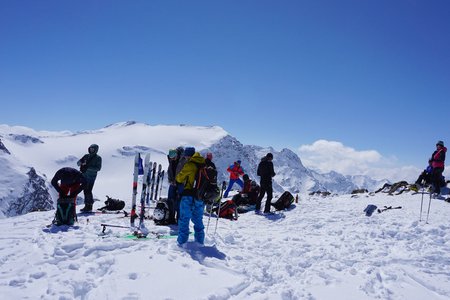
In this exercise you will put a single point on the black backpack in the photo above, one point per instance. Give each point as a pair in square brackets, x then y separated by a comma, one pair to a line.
[284, 202]
[113, 204]
[206, 184]
[65, 212]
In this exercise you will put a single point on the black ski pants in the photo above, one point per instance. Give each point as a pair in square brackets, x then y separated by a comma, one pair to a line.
[265, 188]
[436, 177]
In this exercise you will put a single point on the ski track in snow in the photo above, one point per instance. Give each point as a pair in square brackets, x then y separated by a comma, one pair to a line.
[322, 248]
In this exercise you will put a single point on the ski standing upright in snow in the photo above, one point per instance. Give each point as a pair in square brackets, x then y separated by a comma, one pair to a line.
[158, 177]
[162, 180]
[144, 189]
[133, 215]
[148, 182]
[153, 180]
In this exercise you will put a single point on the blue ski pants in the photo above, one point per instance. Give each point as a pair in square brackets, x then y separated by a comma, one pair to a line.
[191, 209]
[230, 185]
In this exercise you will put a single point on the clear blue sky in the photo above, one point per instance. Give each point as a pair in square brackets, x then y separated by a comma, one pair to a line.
[370, 74]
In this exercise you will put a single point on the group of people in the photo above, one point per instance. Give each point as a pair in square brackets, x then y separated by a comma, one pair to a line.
[184, 206]
[69, 182]
[432, 175]
[182, 199]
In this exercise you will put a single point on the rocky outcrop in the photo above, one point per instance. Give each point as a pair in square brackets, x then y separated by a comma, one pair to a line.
[35, 196]
[3, 148]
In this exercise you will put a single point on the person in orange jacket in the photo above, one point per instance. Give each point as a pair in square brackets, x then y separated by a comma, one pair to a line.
[235, 171]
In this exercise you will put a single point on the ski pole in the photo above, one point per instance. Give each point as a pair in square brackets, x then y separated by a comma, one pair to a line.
[109, 225]
[209, 214]
[224, 184]
[421, 204]
[428, 213]
[211, 206]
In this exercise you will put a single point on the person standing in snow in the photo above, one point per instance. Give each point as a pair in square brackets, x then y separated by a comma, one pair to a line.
[208, 161]
[172, 195]
[89, 165]
[191, 208]
[235, 171]
[438, 164]
[181, 162]
[266, 172]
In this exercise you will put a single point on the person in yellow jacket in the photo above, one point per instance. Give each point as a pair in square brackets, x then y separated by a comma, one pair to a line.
[191, 208]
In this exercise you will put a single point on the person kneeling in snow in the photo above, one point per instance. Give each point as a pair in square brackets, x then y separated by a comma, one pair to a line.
[191, 208]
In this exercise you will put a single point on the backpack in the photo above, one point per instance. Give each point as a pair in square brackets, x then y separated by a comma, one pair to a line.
[206, 184]
[161, 213]
[370, 209]
[113, 204]
[228, 210]
[285, 201]
[65, 212]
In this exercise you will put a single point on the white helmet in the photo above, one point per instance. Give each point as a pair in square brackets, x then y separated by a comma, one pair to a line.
[159, 214]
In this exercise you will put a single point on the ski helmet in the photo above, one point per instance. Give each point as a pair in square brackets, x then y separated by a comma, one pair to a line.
[159, 214]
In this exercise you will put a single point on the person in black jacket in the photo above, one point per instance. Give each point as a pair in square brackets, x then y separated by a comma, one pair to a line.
[208, 161]
[266, 172]
[172, 195]
[89, 165]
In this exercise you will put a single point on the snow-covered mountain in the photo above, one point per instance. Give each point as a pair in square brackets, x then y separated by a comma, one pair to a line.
[29, 159]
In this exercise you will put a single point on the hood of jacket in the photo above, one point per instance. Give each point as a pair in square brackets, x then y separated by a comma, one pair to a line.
[95, 147]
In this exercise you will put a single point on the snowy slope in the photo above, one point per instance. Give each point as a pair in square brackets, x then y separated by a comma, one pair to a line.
[323, 248]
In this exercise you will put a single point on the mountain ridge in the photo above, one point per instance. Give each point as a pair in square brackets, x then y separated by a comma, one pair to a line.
[45, 152]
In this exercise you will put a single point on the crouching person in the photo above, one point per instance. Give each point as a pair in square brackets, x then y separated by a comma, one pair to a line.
[191, 208]
[68, 182]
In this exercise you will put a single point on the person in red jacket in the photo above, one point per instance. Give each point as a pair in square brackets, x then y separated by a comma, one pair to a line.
[438, 164]
[235, 171]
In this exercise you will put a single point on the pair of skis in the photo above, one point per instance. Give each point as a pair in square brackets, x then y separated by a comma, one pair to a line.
[146, 170]
[150, 178]
[154, 178]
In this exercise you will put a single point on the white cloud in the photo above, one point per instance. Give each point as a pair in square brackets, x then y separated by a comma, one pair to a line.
[325, 156]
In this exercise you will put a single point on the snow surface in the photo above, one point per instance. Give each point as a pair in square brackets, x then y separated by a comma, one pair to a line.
[322, 248]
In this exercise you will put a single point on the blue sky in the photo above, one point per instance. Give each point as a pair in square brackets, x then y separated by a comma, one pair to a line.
[371, 75]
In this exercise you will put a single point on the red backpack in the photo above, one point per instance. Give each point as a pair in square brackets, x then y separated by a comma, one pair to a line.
[228, 210]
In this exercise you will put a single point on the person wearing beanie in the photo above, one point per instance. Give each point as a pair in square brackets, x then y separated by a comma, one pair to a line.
[186, 154]
[265, 172]
[235, 171]
[438, 164]
[191, 208]
[172, 195]
[250, 191]
[208, 161]
[89, 165]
